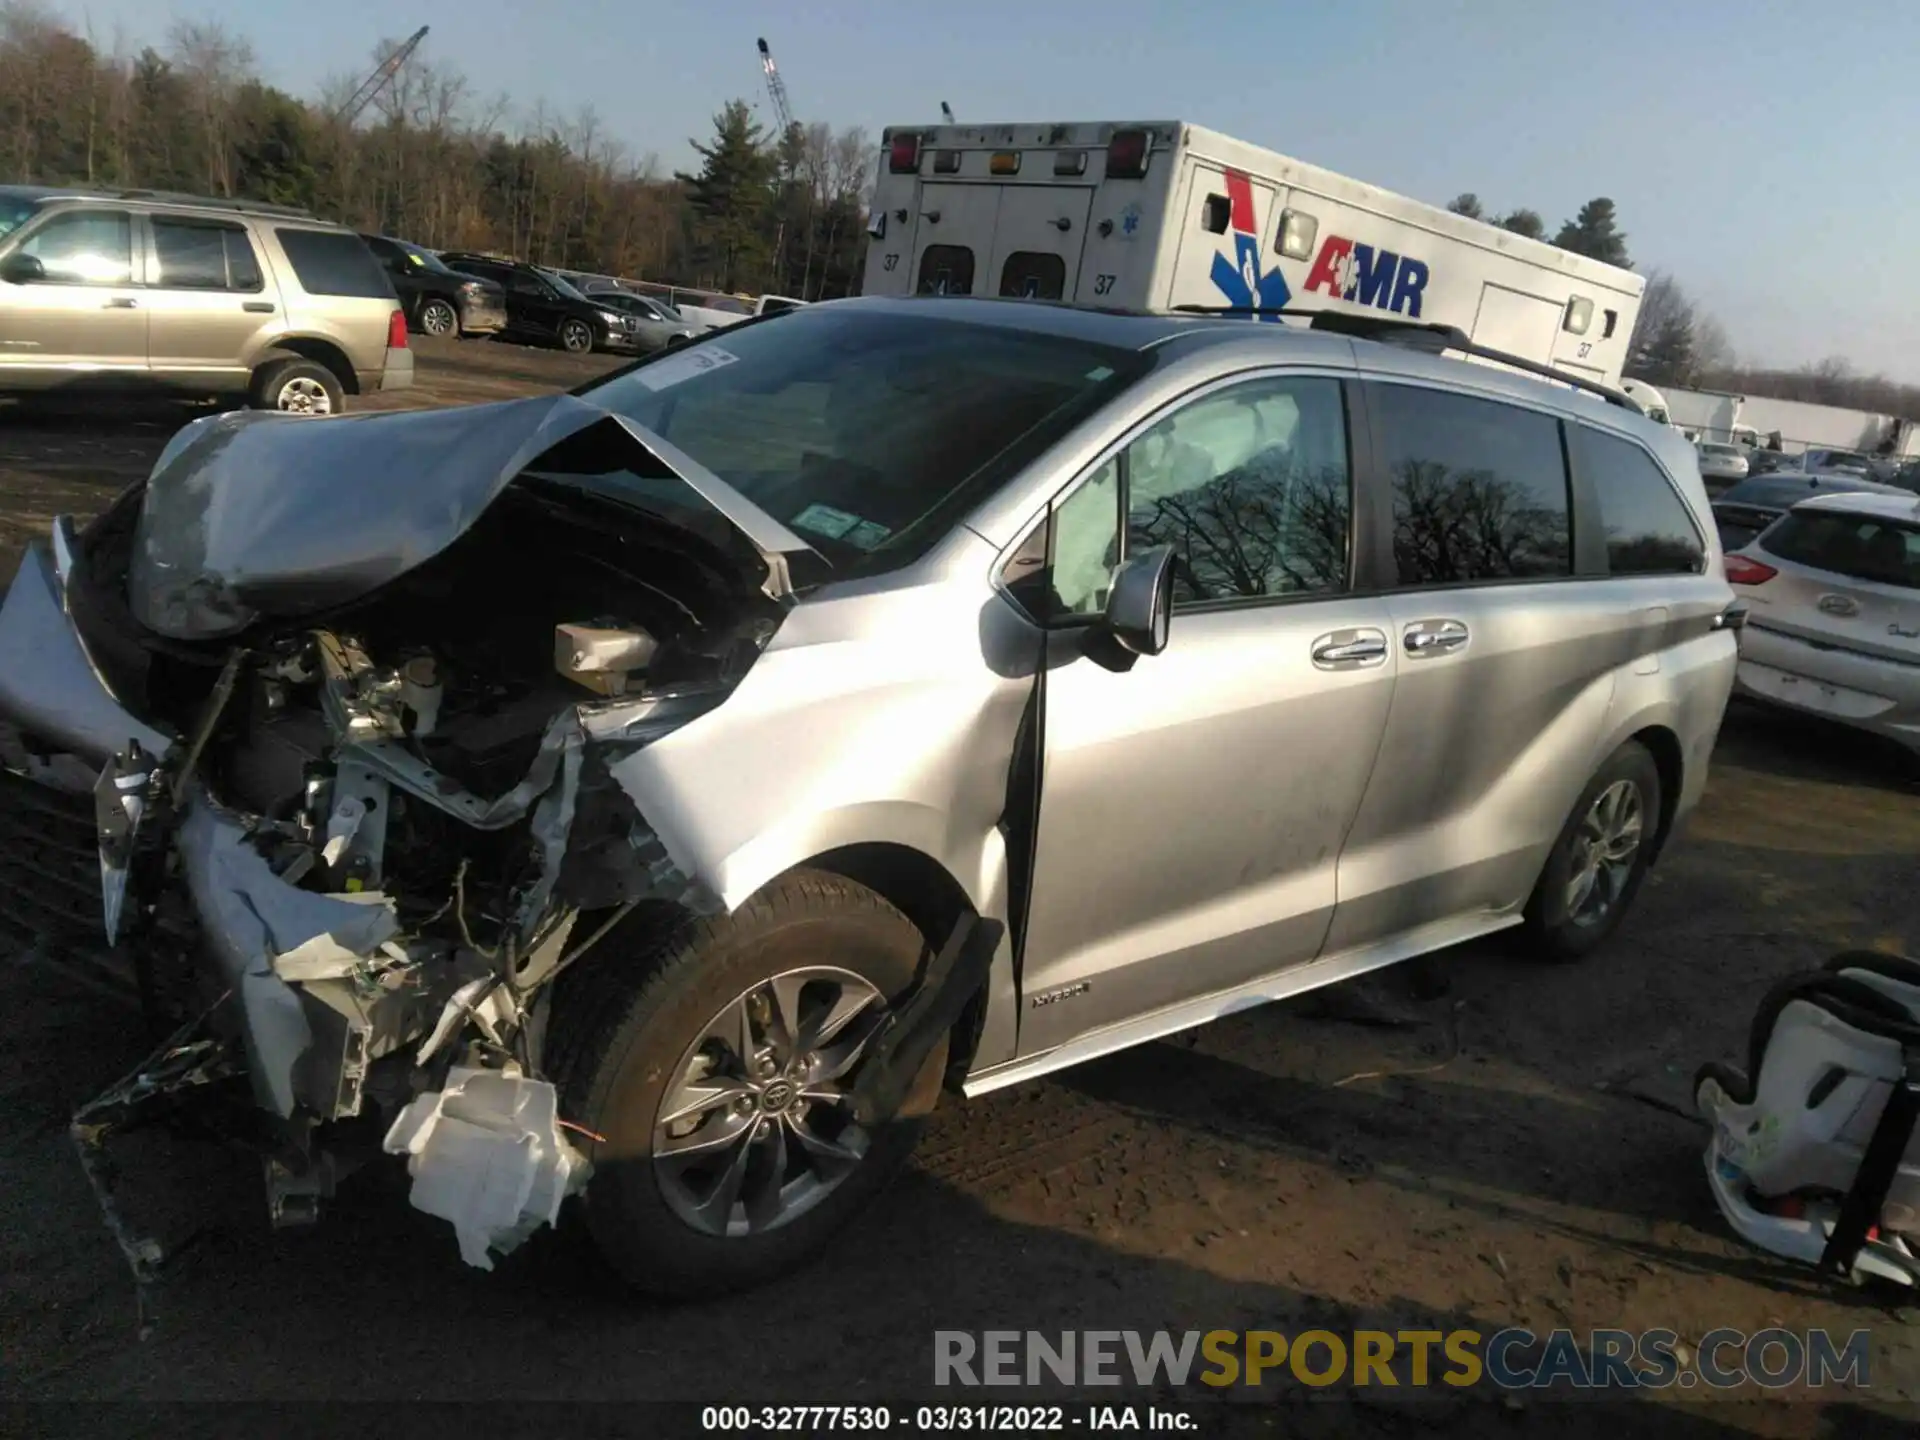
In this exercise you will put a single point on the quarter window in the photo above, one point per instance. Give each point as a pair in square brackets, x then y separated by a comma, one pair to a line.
[84, 247]
[1479, 489]
[1649, 531]
[1250, 486]
[329, 262]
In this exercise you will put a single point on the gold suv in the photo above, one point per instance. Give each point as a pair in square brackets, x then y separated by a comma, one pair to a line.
[139, 290]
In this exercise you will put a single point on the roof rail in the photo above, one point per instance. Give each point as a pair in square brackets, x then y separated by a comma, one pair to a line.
[1432, 339]
[211, 202]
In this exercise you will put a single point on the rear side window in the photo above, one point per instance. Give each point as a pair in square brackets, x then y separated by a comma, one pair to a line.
[195, 256]
[1648, 528]
[1861, 547]
[945, 270]
[1479, 488]
[329, 262]
[1034, 275]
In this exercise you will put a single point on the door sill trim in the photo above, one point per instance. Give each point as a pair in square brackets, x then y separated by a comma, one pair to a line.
[1281, 985]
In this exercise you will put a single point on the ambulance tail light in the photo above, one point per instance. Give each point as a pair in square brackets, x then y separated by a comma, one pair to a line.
[1127, 154]
[1004, 162]
[903, 154]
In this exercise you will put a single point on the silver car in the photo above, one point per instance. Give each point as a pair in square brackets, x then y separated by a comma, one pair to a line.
[1833, 589]
[664, 791]
[1721, 465]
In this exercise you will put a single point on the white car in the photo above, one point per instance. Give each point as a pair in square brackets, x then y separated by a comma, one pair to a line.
[1833, 626]
[1721, 465]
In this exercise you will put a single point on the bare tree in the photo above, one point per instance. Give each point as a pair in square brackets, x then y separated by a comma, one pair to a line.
[214, 64]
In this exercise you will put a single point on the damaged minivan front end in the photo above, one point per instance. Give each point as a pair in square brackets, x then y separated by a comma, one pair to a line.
[359, 694]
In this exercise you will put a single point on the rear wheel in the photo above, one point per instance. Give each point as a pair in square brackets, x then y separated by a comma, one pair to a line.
[576, 337]
[714, 1075]
[298, 387]
[437, 317]
[1595, 868]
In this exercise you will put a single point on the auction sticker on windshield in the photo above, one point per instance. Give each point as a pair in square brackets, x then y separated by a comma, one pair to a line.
[684, 366]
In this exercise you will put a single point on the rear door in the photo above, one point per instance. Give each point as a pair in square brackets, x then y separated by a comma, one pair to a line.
[1507, 659]
[1037, 239]
[953, 239]
[207, 298]
[1516, 322]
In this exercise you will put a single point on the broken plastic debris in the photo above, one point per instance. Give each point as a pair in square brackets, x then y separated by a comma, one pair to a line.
[321, 958]
[486, 1153]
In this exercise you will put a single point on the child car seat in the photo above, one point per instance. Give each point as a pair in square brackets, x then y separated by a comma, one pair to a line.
[1813, 1154]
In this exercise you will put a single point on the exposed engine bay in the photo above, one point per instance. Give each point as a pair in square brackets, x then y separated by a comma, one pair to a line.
[388, 790]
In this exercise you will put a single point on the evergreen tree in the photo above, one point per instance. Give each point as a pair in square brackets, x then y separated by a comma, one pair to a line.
[1468, 204]
[1595, 232]
[730, 198]
[1524, 222]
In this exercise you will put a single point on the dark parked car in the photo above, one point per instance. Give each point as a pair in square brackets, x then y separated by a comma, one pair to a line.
[1767, 462]
[543, 309]
[438, 299]
[1751, 506]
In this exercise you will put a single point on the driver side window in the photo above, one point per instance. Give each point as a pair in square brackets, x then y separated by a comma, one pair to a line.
[1250, 485]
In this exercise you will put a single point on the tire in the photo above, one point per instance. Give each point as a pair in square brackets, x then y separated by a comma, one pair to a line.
[630, 1033]
[1562, 923]
[440, 319]
[576, 337]
[286, 384]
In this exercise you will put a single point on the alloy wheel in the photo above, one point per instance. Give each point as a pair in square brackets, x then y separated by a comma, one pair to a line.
[438, 319]
[756, 1126]
[304, 396]
[1605, 847]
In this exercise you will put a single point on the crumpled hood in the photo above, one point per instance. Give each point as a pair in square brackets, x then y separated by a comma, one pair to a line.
[253, 513]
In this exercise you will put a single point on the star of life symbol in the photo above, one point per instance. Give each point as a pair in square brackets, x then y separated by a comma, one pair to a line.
[1130, 219]
[1239, 279]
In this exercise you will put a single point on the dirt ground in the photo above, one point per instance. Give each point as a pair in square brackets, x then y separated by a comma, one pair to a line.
[1508, 1152]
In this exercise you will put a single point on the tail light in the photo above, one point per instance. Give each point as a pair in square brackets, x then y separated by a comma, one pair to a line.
[1127, 154]
[903, 154]
[397, 330]
[1742, 571]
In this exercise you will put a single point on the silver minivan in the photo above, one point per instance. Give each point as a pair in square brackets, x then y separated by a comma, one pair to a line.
[660, 793]
[134, 290]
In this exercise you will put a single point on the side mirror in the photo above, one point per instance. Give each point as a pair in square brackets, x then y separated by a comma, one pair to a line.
[1140, 601]
[22, 269]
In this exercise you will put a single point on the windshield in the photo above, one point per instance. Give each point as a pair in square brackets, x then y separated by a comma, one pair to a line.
[557, 283]
[867, 433]
[15, 210]
[425, 259]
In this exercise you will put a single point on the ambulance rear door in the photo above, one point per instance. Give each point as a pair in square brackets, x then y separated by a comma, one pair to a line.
[953, 238]
[1037, 240]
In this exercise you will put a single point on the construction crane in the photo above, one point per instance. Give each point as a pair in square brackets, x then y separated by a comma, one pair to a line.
[383, 74]
[777, 89]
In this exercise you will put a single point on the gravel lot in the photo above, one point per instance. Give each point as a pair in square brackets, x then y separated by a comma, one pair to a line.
[1503, 1153]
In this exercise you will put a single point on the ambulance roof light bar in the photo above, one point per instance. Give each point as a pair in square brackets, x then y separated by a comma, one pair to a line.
[1431, 338]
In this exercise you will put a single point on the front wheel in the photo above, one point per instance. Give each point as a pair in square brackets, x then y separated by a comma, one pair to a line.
[438, 318]
[714, 1075]
[1595, 868]
[576, 337]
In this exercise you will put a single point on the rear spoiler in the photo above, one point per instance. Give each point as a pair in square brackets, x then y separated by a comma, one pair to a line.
[1433, 339]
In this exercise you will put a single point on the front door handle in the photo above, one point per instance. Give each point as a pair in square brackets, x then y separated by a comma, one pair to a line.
[121, 302]
[1434, 637]
[1350, 649]
[257, 307]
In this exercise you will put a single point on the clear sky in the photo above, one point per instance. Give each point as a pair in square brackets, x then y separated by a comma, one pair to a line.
[1767, 154]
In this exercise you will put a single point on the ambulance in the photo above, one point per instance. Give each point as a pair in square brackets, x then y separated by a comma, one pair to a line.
[1165, 215]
